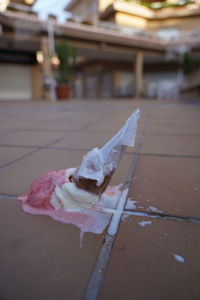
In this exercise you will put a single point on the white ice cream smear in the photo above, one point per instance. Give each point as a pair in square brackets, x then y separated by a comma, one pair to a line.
[154, 209]
[69, 198]
[179, 258]
[131, 204]
[144, 223]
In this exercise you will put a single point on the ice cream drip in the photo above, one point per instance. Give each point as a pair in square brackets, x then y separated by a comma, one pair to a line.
[76, 195]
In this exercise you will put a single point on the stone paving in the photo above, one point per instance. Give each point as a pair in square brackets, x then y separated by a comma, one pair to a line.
[42, 259]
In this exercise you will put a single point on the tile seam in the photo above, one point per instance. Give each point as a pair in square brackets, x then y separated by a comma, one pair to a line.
[164, 155]
[16, 161]
[95, 281]
[169, 217]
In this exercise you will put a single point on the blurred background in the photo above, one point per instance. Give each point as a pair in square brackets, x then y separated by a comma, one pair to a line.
[61, 49]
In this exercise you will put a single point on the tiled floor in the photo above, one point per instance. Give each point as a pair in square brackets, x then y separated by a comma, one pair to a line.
[42, 259]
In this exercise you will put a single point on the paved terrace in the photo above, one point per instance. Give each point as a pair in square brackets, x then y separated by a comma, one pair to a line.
[42, 259]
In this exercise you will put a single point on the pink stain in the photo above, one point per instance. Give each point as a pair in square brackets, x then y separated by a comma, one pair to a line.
[37, 202]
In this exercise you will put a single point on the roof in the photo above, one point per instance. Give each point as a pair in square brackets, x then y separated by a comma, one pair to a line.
[135, 9]
[81, 31]
[101, 36]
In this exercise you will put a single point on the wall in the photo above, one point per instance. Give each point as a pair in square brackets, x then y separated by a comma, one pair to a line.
[86, 10]
[15, 82]
[123, 83]
[37, 82]
[161, 84]
[131, 21]
[184, 24]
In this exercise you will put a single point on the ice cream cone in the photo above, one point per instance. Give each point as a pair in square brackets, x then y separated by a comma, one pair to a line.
[98, 165]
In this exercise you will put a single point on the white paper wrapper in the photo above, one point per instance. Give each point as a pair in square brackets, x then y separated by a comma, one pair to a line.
[98, 163]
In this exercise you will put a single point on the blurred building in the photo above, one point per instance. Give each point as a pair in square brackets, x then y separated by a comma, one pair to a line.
[166, 20]
[125, 49]
[17, 55]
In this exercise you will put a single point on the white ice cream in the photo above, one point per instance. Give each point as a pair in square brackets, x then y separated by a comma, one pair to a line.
[69, 198]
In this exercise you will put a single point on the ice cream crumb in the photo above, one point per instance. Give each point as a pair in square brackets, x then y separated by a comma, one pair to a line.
[125, 216]
[179, 258]
[154, 209]
[130, 204]
[144, 223]
[151, 199]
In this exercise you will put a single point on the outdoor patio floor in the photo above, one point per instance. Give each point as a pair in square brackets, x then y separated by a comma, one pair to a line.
[156, 251]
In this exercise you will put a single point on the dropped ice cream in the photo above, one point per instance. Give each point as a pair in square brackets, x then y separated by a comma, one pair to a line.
[179, 258]
[79, 195]
[144, 223]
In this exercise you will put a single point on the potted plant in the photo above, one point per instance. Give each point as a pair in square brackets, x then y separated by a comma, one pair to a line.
[67, 57]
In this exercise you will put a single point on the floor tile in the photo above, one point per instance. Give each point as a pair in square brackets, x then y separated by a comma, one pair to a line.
[170, 185]
[173, 128]
[83, 140]
[9, 154]
[30, 138]
[143, 265]
[41, 258]
[63, 126]
[171, 145]
[16, 179]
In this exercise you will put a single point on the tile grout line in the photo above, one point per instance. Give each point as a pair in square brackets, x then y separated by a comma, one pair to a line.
[163, 216]
[154, 215]
[14, 162]
[37, 149]
[8, 197]
[87, 149]
[164, 155]
[95, 281]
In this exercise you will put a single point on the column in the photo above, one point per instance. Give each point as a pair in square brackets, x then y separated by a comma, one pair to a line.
[37, 82]
[46, 67]
[138, 72]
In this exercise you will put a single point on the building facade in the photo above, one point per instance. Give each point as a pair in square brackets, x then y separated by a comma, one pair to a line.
[115, 78]
[19, 74]
[113, 60]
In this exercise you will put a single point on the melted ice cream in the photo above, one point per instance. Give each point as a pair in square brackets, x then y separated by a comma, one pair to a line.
[70, 198]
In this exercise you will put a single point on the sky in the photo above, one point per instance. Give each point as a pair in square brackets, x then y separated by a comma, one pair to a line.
[56, 7]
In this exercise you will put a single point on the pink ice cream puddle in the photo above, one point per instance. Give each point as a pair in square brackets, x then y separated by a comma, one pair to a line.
[37, 202]
[42, 188]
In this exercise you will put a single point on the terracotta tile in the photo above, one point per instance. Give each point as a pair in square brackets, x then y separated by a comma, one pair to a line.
[12, 123]
[172, 145]
[143, 265]
[30, 138]
[169, 184]
[9, 154]
[83, 140]
[4, 131]
[103, 127]
[112, 126]
[87, 140]
[64, 125]
[16, 179]
[173, 128]
[173, 112]
[41, 258]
